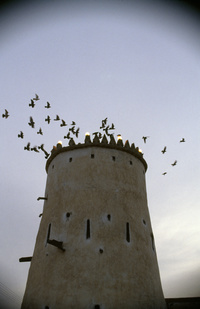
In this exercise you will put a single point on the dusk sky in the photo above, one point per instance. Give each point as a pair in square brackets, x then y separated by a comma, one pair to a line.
[135, 62]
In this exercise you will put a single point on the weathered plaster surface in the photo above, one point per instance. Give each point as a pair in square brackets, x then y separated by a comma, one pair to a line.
[125, 275]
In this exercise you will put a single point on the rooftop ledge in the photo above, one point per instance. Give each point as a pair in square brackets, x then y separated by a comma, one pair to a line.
[97, 143]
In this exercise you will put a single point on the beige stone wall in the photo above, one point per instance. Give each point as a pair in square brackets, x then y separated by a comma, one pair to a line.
[97, 206]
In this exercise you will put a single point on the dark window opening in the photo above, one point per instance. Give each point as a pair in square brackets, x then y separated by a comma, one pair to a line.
[127, 232]
[92, 156]
[109, 217]
[46, 307]
[97, 307]
[144, 222]
[52, 166]
[152, 242]
[131, 162]
[100, 251]
[70, 159]
[113, 157]
[68, 214]
[48, 233]
[88, 229]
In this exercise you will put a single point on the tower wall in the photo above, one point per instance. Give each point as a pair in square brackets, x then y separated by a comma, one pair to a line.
[97, 206]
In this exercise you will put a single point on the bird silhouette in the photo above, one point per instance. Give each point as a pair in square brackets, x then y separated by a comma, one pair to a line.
[67, 136]
[175, 162]
[72, 129]
[21, 135]
[34, 149]
[106, 130]
[57, 118]
[5, 115]
[27, 147]
[73, 123]
[48, 119]
[32, 104]
[45, 152]
[112, 127]
[77, 132]
[63, 124]
[40, 131]
[36, 97]
[164, 150]
[145, 138]
[182, 140]
[164, 173]
[31, 123]
[48, 105]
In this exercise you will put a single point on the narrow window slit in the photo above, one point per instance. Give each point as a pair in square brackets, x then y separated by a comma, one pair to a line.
[92, 156]
[70, 159]
[68, 214]
[109, 217]
[113, 158]
[100, 251]
[131, 163]
[97, 307]
[152, 242]
[48, 233]
[127, 232]
[88, 229]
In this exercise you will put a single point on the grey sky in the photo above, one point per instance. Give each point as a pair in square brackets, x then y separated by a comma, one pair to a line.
[137, 64]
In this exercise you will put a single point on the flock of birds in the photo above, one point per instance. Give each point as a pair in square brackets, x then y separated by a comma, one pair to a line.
[72, 131]
[164, 150]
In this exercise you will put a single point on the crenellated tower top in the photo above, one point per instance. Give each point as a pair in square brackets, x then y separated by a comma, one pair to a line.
[96, 142]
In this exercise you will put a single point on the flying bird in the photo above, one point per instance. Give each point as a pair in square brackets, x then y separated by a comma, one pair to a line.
[40, 132]
[106, 130]
[164, 150]
[63, 124]
[36, 97]
[112, 127]
[173, 164]
[45, 152]
[73, 123]
[21, 135]
[48, 105]
[145, 138]
[67, 136]
[32, 104]
[31, 123]
[164, 173]
[34, 149]
[57, 118]
[72, 129]
[48, 119]
[27, 147]
[77, 132]
[6, 115]
[182, 140]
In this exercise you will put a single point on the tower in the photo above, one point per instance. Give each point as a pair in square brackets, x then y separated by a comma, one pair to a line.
[95, 246]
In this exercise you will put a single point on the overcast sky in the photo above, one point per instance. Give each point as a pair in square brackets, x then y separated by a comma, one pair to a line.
[135, 62]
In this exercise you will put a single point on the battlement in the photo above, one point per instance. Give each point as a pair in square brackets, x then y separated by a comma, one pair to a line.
[112, 144]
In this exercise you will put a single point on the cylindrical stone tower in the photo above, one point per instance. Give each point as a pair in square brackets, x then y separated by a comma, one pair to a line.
[95, 246]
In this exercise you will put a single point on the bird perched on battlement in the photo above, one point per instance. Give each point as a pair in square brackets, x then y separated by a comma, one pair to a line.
[32, 104]
[175, 162]
[6, 114]
[57, 118]
[36, 97]
[63, 124]
[164, 150]
[21, 134]
[48, 105]
[48, 119]
[27, 147]
[97, 134]
[31, 123]
[145, 138]
[40, 131]
[182, 140]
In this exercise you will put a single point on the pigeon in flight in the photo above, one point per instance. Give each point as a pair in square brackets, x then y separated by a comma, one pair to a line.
[45, 152]
[72, 129]
[77, 132]
[6, 115]
[173, 164]
[67, 136]
[36, 97]
[34, 149]
[63, 124]
[40, 132]
[112, 127]
[164, 173]
[31, 123]
[27, 147]
[57, 118]
[182, 140]
[48, 119]
[73, 123]
[32, 104]
[48, 105]
[164, 150]
[21, 135]
[145, 138]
